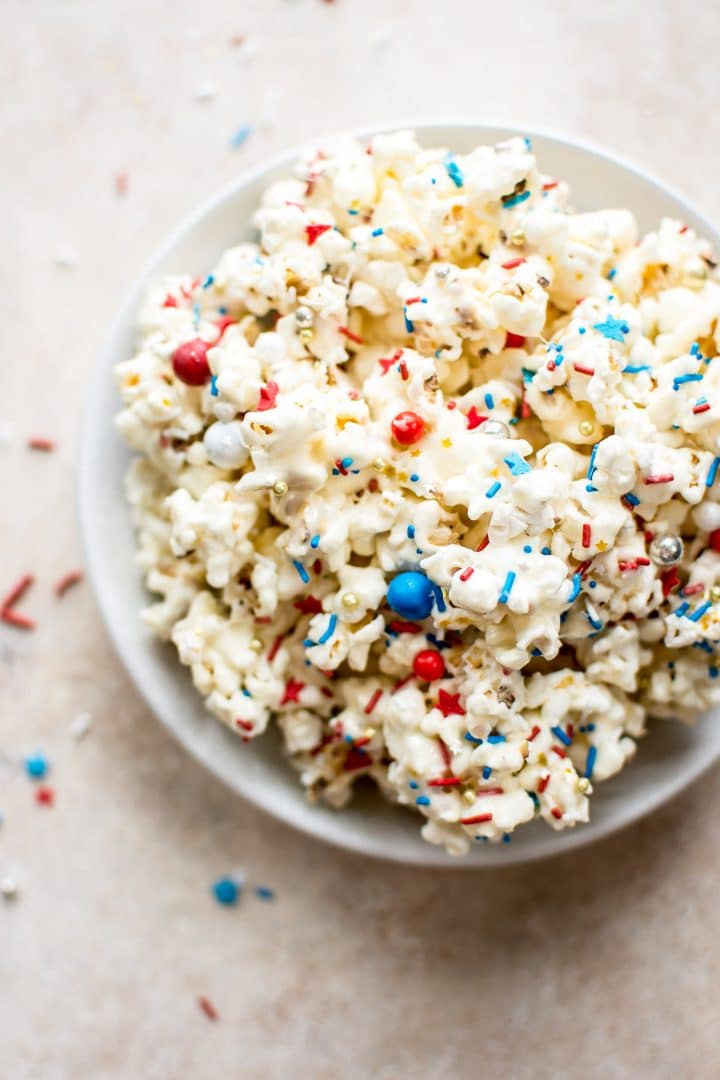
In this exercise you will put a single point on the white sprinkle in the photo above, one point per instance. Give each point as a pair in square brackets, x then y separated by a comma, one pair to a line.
[66, 257]
[8, 888]
[80, 725]
[205, 91]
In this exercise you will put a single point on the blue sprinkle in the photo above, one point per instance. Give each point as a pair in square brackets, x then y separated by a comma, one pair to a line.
[561, 735]
[332, 623]
[528, 375]
[632, 499]
[377, 232]
[315, 540]
[411, 532]
[528, 142]
[536, 652]
[346, 462]
[695, 349]
[546, 551]
[436, 641]
[507, 587]
[593, 584]
[493, 490]
[590, 489]
[516, 465]
[576, 586]
[422, 800]
[612, 273]
[304, 576]
[414, 477]
[590, 762]
[410, 328]
[712, 473]
[699, 612]
[679, 380]
[496, 738]
[213, 386]
[246, 692]
[534, 798]
[353, 213]
[681, 609]
[506, 838]
[527, 549]
[473, 739]
[514, 200]
[36, 766]
[209, 280]
[241, 136]
[713, 672]
[226, 891]
[581, 330]
[439, 598]
[414, 785]
[489, 402]
[308, 643]
[591, 466]
[222, 310]
[614, 329]
[264, 893]
[454, 172]
[487, 772]
[633, 369]
[704, 645]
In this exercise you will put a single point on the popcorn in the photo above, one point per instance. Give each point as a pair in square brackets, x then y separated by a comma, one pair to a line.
[427, 365]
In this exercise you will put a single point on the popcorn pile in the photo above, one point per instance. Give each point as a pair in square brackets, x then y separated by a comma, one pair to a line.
[427, 477]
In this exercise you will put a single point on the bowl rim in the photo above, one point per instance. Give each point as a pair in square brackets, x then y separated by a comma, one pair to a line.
[314, 826]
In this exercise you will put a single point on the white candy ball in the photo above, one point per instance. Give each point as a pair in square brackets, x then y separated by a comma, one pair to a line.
[707, 516]
[224, 445]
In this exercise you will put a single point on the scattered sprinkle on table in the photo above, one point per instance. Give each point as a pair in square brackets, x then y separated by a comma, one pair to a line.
[39, 442]
[208, 1008]
[73, 577]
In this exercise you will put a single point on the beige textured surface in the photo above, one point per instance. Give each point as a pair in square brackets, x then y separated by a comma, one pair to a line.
[600, 964]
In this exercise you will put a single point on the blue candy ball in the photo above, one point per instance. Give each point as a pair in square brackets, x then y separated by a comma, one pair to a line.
[36, 766]
[225, 891]
[411, 595]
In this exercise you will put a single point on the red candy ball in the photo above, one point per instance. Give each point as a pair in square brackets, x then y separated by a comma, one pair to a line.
[407, 428]
[190, 362]
[428, 665]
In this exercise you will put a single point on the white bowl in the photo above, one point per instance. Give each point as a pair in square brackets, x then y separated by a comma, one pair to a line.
[668, 759]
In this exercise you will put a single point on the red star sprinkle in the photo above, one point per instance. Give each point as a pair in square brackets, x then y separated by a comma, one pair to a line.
[268, 395]
[449, 704]
[170, 301]
[313, 231]
[292, 692]
[473, 418]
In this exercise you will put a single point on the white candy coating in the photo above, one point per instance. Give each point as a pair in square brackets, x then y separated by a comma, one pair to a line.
[552, 473]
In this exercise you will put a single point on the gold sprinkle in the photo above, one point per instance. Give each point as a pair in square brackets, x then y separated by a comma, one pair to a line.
[586, 427]
[584, 786]
[447, 443]
[280, 487]
[350, 600]
[517, 237]
[469, 797]
[256, 645]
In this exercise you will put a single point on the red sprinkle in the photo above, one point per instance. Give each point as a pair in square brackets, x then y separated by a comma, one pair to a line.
[399, 685]
[208, 1008]
[551, 365]
[407, 428]
[449, 704]
[475, 819]
[670, 581]
[702, 408]
[400, 626]
[533, 734]
[474, 419]
[683, 229]
[268, 395]
[121, 183]
[17, 592]
[386, 362]
[445, 781]
[313, 231]
[467, 573]
[483, 544]
[586, 535]
[661, 478]
[583, 369]
[274, 648]
[67, 582]
[543, 784]
[445, 752]
[246, 725]
[346, 332]
[44, 795]
[405, 374]
[559, 751]
[170, 301]
[413, 300]
[14, 618]
[514, 341]
[550, 184]
[292, 692]
[372, 702]
[556, 812]
[512, 263]
[190, 362]
[490, 791]
[37, 442]
[451, 404]
[373, 484]
[429, 665]
[691, 590]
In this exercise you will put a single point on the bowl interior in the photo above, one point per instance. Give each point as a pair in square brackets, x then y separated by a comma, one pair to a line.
[667, 760]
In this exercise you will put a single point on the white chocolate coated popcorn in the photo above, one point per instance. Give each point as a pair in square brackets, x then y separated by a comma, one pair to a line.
[428, 373]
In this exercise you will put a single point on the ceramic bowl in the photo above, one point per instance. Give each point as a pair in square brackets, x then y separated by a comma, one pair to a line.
[671, 756]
